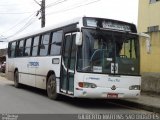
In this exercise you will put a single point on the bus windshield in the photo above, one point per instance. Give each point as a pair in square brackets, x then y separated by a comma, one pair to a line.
[108, 52]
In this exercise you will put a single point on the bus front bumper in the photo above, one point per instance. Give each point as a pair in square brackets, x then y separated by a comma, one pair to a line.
[106, 93]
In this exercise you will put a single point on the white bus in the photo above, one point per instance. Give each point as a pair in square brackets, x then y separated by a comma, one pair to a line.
[85, 58]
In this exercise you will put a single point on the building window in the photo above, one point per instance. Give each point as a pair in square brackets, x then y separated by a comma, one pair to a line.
[153, 28]
[153, 1]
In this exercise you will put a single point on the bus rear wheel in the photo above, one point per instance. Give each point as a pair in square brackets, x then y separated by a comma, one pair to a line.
[51, 88]
[16, 79]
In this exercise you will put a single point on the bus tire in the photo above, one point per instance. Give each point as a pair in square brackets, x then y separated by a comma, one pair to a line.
[51, 88]
[16, 79]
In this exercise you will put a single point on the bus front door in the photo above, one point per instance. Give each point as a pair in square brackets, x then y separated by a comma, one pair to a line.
[68, 64]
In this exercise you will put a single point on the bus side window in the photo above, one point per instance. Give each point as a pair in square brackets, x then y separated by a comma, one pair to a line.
[35, 46]
[9, 50]
[12, 49]
[44, 44]
[20, 48]
[28, 47]
[56, 43]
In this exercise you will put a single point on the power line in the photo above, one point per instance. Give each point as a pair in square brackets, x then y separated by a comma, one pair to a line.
[55, 3]
[30, 21]
[15, 13]
[12, 4]
[64, 10]
[3, 38]
[17, 24]
[24, 27]
[37, 2]
[4, 5]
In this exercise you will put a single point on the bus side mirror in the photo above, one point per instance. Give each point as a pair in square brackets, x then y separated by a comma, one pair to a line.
[148, 41]
[79, 38]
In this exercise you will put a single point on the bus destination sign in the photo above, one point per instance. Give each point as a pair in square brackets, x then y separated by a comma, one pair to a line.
[107, 24]
[116, 26]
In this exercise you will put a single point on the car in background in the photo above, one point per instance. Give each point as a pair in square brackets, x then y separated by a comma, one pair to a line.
[3, 67]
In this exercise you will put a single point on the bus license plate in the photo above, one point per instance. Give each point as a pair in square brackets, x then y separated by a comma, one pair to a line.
[112, 95]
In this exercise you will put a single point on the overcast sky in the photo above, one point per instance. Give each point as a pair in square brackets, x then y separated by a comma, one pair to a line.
[19, 16]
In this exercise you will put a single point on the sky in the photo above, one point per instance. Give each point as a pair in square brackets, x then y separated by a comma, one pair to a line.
[18, 17]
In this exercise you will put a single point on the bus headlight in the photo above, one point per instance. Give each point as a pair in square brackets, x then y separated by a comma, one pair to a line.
[87, 85]
[135, 87]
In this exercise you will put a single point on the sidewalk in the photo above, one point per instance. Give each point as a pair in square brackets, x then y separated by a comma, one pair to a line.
[147, 101]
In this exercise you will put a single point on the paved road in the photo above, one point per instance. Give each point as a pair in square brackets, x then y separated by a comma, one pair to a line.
[27, 100]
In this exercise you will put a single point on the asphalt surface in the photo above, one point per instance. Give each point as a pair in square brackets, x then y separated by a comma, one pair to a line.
[28, 100]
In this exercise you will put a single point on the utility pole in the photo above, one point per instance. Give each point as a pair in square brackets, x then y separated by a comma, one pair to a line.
[43, 19]
[42, 10]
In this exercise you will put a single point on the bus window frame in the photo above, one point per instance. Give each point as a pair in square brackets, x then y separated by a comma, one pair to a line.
[37, 51]
[42, 44]
[28, 46]
[18, 47]
[50, 43]
[10, 49]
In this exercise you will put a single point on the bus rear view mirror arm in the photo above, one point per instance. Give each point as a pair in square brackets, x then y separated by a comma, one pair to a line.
[148, 41]
[79, 38]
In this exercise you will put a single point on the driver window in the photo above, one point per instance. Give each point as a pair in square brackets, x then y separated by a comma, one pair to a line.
[100, 44]
[128, 49]
[96, 44]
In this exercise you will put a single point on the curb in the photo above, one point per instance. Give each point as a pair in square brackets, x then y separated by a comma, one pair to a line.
[139, 105]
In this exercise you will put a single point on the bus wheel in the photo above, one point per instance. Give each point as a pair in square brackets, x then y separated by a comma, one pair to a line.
[16, 79]
[51, 88]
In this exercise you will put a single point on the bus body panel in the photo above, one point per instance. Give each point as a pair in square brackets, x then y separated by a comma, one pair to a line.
[104, 85]
[45, 65]
[33, 70]
[11, 68]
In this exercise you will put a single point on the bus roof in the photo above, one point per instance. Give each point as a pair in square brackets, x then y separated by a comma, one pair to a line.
[42, 30]
[109, 24]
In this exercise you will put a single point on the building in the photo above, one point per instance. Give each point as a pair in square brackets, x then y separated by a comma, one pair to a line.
[3, 53]
[149, 22]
